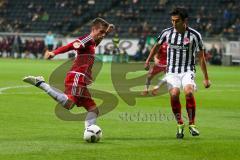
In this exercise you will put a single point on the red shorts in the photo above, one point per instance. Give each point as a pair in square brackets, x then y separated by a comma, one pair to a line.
[156, 69]
[77, 91]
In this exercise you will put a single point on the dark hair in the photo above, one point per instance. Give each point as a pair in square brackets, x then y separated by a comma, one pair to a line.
[99, 21]
[182, 12]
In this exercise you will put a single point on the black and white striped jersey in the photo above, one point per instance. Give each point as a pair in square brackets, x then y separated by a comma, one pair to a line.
[182, 49]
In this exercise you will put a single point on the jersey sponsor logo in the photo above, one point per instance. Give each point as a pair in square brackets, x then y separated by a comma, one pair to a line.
[76, 44]
[178, 47]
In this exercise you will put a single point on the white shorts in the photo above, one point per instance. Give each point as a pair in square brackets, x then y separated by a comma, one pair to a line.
[178, 80]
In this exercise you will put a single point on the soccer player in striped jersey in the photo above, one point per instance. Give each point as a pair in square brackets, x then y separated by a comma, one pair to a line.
[184, 44]
[160, 60]
[79, 76]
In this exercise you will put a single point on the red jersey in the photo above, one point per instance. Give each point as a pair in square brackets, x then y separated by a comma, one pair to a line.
[161, 56]
[85, 48]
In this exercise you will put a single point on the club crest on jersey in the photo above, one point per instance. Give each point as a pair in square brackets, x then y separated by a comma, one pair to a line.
[186, 41]
[76, 44]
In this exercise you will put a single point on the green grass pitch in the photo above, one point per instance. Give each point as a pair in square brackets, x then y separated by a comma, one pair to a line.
[29, 128]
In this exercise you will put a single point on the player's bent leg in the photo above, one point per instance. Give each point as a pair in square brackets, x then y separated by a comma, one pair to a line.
[39, 82]
[56, 94]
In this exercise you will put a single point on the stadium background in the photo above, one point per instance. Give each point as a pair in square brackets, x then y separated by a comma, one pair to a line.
[29, 128]
[136, 20]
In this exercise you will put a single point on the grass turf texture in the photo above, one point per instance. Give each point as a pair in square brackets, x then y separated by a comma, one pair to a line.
[29, 128]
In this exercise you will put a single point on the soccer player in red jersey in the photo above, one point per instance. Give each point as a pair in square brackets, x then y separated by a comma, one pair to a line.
[79, 76]
[160, 61]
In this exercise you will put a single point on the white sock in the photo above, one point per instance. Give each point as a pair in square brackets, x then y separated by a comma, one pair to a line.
[90, 119]
[56, 94]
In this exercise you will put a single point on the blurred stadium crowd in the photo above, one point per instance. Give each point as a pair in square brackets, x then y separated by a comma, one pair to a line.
[14, 44]
[66, 17]
[133, 18]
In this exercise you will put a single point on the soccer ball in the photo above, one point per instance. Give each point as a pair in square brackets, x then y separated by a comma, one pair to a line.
[92, 134]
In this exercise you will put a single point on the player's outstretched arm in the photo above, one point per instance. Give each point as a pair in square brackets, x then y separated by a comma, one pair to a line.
[70, 46]
[151, 54]
[203, 66]
[77, 44]
[60, 50]
[48, 55]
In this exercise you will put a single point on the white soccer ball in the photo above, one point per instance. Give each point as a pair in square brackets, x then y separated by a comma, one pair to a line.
[92, 134]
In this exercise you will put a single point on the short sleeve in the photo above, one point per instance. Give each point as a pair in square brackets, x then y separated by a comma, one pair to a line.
[162, 37]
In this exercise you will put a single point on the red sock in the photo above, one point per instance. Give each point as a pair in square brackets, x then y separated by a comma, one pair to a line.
[176, 108]
[191, 108]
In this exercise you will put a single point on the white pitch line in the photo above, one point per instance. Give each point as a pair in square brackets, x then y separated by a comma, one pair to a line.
[13, 87]
[23, 93]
